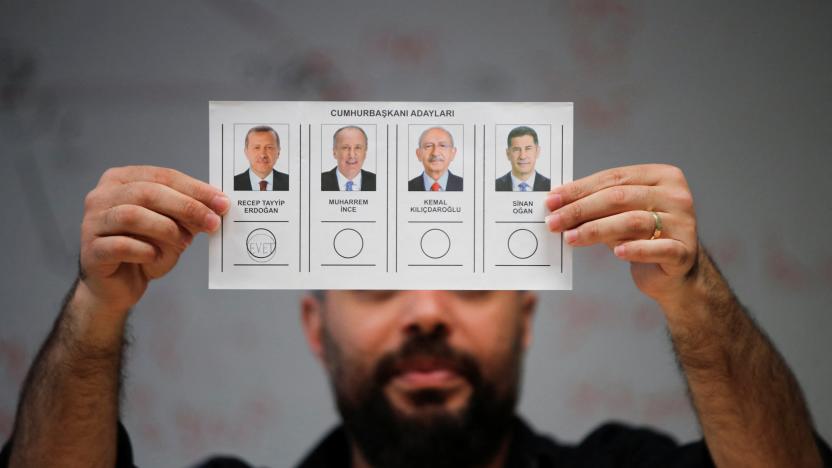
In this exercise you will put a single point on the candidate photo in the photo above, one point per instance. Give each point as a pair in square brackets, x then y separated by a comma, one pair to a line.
[522, 151]
[349, 148]
[436, 151]
[262, 149]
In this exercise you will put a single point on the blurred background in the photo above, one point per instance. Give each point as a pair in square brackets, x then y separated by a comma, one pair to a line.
[737, 94]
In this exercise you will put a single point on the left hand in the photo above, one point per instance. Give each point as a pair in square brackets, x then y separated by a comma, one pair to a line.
[613, 207]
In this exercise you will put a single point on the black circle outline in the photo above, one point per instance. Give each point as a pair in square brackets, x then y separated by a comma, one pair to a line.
[361, 249]
[422, 240]
[508, 244]
[265, 258]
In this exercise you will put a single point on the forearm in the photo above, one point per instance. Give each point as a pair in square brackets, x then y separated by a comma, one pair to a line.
[68, 410]
[748, 402]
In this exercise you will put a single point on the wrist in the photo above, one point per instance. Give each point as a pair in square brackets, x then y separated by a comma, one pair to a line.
[94, 322]
[704, 296]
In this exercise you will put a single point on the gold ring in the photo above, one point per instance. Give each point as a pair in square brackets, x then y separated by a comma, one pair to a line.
[657, 230]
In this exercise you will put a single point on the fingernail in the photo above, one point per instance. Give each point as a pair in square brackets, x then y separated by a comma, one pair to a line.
[553, 222]
[220, 203]
[571, 235]
[554, 201]
[212, 222]
[619, 250]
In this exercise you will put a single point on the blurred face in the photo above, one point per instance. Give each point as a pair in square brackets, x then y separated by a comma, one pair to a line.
[349, 151]
[262, 152]
[523, 154]
[435, 152]
[423, 378]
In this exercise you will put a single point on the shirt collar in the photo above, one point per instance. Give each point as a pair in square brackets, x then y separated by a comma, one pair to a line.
[342, 180]
[255, 181]
[515, 182]
[443, 181]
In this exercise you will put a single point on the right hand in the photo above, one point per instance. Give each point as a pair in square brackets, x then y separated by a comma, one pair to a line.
[137, 222]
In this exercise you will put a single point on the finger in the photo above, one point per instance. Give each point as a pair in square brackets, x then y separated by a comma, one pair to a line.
[209, 195]
[616, 229]
[607, 202]
[187, 211]
[666, 252]
[642, 174]
[105, 254]
[140, 221]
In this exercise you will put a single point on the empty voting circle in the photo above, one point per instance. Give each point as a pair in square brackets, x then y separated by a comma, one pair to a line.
[522, 243]
[348, 243]
[261, 245]
[435, 243]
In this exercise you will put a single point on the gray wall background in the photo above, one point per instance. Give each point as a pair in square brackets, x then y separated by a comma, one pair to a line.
[737, 94]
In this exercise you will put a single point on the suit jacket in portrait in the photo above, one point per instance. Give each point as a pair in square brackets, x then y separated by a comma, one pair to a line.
[280, 181]
[329, 181]
[417, 184]
[541, 184]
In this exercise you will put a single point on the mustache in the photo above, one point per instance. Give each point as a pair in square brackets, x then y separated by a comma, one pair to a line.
[433, 346]
[436, 157]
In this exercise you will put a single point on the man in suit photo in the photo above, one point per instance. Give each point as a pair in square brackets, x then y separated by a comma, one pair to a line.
[436, 151]
[262, 148]
[522, 151]
[349, 148]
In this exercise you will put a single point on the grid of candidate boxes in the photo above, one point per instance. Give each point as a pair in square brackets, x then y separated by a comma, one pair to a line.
[427, 195]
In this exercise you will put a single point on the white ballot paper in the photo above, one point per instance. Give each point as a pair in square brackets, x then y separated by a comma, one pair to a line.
[389, 195]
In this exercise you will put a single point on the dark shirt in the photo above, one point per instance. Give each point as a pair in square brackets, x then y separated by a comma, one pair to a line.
[612, 445]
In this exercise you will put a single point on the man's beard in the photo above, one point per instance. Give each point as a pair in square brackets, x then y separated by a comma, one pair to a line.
[389, 439]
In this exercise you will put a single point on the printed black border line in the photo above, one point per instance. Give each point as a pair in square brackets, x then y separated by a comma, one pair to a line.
[387, 204]
[260, 221]
[561, 183]
[222, 187]
[474, 197]
[300, 196]
[450, 221]
[397, 199]
[347, 221]
[309, 197]
[483, 194]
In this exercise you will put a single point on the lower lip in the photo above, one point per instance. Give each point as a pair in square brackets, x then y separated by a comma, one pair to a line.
[427, 379]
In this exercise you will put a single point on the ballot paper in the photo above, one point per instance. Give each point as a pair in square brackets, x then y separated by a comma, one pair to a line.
[389, 195]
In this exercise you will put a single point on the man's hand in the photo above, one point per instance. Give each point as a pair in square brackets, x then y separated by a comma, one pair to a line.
[613, 207]
[137, 222]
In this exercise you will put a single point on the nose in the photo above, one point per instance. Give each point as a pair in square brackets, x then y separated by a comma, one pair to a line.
[427, 312]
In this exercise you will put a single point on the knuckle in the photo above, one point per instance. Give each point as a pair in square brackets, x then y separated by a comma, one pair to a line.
[575, 212]
[637, 224]
[191, 209]
[127, 216]
[674, 173]
[574, 190]
[613, 177]
[590, 232]
[110, 174]
[618, 197]
[163, 175]
[91, 200]
[685, 199]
